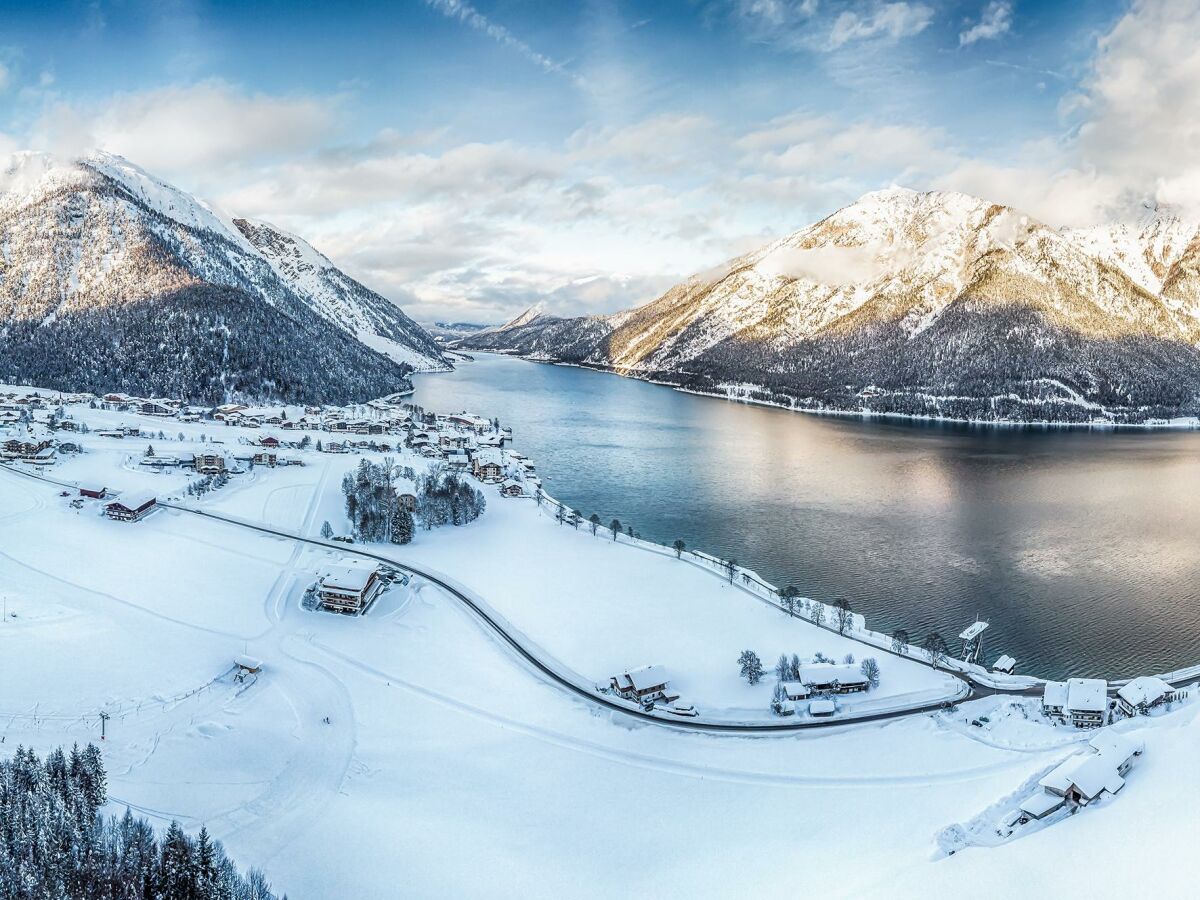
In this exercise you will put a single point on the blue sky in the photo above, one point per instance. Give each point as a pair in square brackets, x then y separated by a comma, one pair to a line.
[467, 159]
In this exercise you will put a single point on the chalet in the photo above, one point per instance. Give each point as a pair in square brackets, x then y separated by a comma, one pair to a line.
[407, 501]
[27, 448]
[266, 458]
[334, 447]
[268, 441]
[209, 463]
[93, 493]
[1141, 695]
[131, 509]
[458, 460]
[644, 685]
[1087, 702]
[68, 425]
[156, 408]
[487, 465]
[512, 488]
[117, 398]
[1054, 698]
[114, 433]
[794, 690]
[833, 678]
[349, 588]
[1084, 777]
[46, 456]
[1081, 701]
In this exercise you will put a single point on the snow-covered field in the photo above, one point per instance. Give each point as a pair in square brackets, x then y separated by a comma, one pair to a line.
[449, 768]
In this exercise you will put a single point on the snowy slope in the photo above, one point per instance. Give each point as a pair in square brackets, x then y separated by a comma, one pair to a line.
[375, 321]
[933, 303]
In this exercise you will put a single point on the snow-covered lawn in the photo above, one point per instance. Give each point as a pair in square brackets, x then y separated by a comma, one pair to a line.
[448, 768]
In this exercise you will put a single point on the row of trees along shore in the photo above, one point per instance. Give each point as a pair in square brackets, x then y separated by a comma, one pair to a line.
[54, 842]
[934, 645]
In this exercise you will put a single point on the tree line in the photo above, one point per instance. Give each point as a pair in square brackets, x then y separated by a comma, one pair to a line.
[54, 843]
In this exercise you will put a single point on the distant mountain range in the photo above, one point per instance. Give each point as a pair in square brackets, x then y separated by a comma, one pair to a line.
[111, 279]
[924, 304]
[450, 331]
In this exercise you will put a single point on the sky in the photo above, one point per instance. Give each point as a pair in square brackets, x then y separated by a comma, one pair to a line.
[470, 159]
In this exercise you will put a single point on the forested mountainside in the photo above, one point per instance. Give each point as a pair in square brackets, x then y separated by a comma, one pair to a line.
[931, 303]
[113, 280]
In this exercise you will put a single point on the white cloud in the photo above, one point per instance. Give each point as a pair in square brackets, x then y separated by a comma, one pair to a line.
[995, 21]
[890, 21]
[175, 130]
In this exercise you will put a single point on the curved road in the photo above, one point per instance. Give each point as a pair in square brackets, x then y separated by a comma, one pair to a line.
[969, 691]
[557, 677]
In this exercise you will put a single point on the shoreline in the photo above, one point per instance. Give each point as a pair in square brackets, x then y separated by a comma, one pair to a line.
[1183, 424]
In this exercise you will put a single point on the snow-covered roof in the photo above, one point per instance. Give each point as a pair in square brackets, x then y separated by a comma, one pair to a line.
[1145, 689]
[133, 501]
[1055, 693]
[347, 577]
[826, 673]
[1087, 694]
[489, 455]
[794, 687]
[1090, 773]
[821, 707]
[647, 676]
[1119, 748]
[1042, 803]
[248, 662]
[1004, 664]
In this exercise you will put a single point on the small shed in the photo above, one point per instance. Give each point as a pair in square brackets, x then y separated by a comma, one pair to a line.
[820, 709]
[247, 665]
[1005, 665]
[92, 492]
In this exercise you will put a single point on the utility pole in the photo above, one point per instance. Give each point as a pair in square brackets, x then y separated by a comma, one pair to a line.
[103, 723]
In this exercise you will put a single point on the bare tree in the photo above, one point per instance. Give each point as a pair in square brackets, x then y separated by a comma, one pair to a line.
[870, 670]
[679, 546]
[900, 641]
[842, 615]
[935, 646]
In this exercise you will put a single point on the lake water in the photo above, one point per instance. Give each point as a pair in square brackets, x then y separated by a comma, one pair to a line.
[1082, 548]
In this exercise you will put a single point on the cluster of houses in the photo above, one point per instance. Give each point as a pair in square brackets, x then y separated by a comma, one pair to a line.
[1084, 702]
[818, 683]
[1082, 779]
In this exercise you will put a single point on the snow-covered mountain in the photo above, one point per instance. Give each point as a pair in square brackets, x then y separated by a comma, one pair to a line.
[932, 303]
[374, 320]
[112, 279]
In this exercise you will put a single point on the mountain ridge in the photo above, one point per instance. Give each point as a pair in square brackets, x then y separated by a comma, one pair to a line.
[113, 279]
[919, 303]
